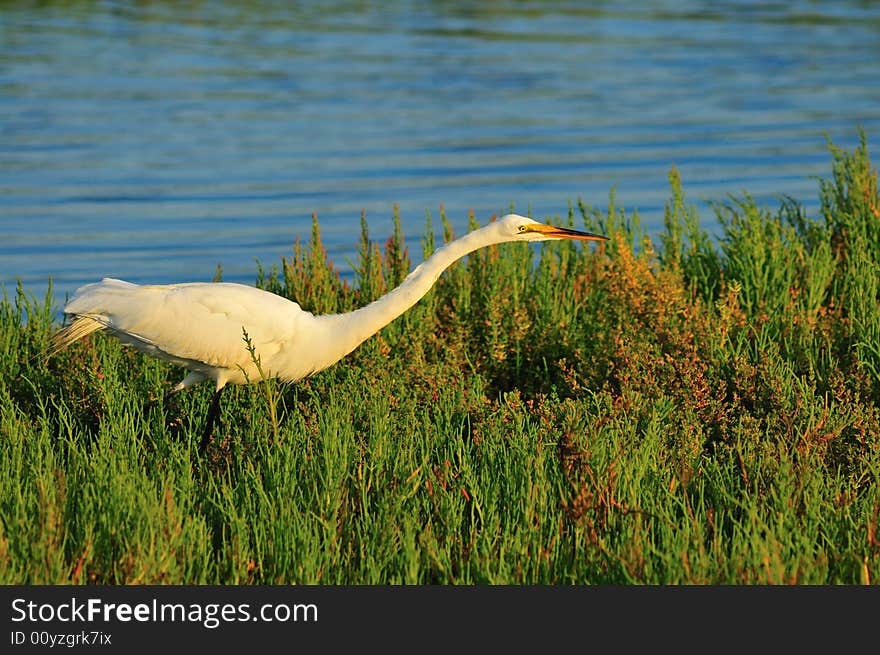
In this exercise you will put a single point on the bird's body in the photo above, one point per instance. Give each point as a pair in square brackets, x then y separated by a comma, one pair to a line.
[201, 326]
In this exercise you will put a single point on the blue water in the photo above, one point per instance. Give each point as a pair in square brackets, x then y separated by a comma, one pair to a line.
[152, 141]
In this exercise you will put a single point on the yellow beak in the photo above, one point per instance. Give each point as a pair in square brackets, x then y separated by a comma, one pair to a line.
[553, 232]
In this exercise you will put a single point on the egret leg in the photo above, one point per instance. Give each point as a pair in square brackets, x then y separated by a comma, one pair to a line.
[213, 413]
[170, 394]
[151, 403]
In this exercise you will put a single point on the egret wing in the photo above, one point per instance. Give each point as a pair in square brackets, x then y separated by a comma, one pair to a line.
[202, 322]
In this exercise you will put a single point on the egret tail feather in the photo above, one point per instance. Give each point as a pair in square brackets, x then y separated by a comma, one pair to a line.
[80, 327]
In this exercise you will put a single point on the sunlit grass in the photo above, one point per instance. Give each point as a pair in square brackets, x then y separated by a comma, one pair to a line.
[689, 408]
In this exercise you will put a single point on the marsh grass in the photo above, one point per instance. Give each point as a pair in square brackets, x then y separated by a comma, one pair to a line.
[703, 409]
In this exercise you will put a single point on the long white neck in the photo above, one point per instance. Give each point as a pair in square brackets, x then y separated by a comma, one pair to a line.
[351, 329]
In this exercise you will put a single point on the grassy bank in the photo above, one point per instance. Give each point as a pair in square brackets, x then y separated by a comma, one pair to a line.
[691, 408]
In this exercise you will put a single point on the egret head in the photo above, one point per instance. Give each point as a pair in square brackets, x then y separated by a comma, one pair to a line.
[521, 228]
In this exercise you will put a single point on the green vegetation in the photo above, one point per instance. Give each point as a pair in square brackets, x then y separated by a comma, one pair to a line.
[696, 410]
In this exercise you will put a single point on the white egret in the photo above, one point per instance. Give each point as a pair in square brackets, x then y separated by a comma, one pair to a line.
[199, 326]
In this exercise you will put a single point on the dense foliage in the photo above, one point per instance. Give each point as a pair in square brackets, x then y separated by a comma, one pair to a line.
[692, 408]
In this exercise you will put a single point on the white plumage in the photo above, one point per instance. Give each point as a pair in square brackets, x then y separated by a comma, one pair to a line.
[197, 326]
[201, 326]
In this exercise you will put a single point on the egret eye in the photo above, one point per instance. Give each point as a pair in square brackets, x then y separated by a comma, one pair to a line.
[522, 228]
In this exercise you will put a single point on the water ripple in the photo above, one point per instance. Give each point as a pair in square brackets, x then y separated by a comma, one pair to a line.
[152, 141]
